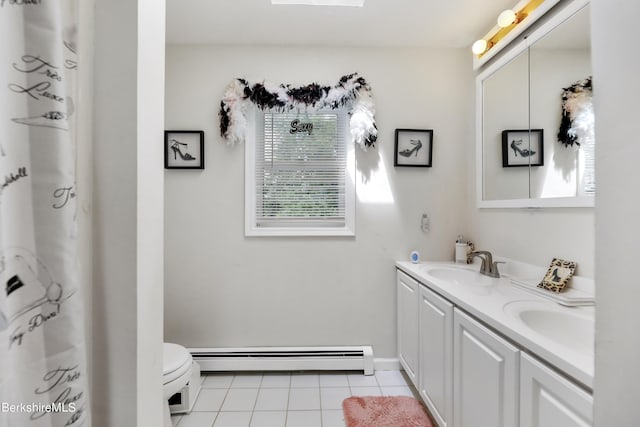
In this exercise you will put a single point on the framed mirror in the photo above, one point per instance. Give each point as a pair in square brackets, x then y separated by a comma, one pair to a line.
[534, 110]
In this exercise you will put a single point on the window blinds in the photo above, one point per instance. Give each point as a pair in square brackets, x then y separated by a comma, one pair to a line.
[300, 170]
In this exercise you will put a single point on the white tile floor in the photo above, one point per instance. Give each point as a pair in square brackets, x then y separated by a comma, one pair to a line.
[285, 400]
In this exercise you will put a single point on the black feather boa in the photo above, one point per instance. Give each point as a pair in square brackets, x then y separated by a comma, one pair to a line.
[351, 91]
[573, 99]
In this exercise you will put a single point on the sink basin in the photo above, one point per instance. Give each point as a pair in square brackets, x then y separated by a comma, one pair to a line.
[569, 327]
[461, 276]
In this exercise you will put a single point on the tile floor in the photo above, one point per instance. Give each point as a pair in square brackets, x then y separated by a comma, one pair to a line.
[306, 399]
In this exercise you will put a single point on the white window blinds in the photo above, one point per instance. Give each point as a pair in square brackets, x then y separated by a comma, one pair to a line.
[301, 172]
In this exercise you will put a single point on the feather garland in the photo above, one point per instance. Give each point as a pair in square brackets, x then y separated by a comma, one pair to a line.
[351, 91]
[575, 99]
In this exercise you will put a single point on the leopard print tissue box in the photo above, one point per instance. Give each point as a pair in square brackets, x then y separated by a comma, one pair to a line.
[558, 275]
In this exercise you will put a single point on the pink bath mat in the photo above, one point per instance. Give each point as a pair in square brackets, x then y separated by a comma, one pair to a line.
[394, 411]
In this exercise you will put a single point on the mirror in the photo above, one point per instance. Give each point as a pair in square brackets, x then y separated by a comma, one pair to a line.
[506, 107]
[535, 118]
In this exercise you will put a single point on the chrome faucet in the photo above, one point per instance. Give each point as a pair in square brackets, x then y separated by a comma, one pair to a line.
[488, 266]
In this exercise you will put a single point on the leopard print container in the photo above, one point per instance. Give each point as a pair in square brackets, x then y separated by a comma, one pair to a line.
[558, 275]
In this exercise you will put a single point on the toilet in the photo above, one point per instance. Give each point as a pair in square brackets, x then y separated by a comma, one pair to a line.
[181, 377]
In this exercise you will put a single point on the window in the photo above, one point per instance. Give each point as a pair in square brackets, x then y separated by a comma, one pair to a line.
[299, 175]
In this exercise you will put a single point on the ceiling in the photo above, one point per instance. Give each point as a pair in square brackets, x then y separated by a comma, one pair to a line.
[429, 23]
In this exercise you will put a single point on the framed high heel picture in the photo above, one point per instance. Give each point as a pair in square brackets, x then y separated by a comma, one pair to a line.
[522, 148]
[184, 149]
[414, 147]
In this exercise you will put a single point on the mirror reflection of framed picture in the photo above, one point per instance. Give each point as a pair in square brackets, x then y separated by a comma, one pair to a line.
[184, 149]
[522, 148]
[414, 147]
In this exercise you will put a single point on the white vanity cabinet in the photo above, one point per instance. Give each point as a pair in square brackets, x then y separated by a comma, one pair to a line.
[470, 375]
[548, 399]
[436, 356]
[485, 376]
[407, 290]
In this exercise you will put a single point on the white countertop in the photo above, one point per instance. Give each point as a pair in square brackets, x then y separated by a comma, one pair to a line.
[486, 302]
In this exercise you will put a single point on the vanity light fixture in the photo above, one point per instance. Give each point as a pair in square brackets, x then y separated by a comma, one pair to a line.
[349, 3]
[480, 46]
[509, 20]
[508, 17]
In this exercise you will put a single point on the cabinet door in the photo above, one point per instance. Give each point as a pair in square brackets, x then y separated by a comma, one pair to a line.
[436, 354]
[485, 376]
[407, 289]
[547, 399]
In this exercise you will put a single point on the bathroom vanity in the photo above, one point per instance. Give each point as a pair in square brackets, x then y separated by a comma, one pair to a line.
[482, 352]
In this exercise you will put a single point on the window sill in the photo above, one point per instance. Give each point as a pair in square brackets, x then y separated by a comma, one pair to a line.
[301, 232]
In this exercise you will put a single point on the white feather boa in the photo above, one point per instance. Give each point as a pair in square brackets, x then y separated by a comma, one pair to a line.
[351, 91]
[577, 113]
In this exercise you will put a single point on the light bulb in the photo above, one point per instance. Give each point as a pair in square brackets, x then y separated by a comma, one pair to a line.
[506, 18]
[479, 46]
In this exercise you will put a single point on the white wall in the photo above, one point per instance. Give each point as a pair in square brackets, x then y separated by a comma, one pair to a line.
[126, 316]
[535, 236]
[114, 257]
[150, 212]
[616, 67]
[222, 289]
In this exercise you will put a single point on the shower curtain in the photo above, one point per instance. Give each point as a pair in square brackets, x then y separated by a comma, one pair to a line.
[43, 374]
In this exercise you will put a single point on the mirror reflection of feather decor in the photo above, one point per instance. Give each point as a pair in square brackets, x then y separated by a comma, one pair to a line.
[577, 107]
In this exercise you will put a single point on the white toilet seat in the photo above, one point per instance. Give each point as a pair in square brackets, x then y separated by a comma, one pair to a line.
[176, 368]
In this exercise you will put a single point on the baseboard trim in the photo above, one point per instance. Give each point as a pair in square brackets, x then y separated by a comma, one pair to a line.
[386, 364]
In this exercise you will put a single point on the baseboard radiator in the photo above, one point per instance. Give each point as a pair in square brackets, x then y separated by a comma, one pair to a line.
[351, 358]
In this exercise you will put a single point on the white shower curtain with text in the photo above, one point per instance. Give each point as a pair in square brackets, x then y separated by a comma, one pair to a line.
[43, 374]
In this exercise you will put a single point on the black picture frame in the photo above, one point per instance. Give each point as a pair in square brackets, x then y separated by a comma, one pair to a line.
[409, 143]
[516, 152]
[183, 149]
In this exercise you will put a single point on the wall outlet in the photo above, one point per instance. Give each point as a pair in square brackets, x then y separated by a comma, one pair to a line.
[424, 223]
